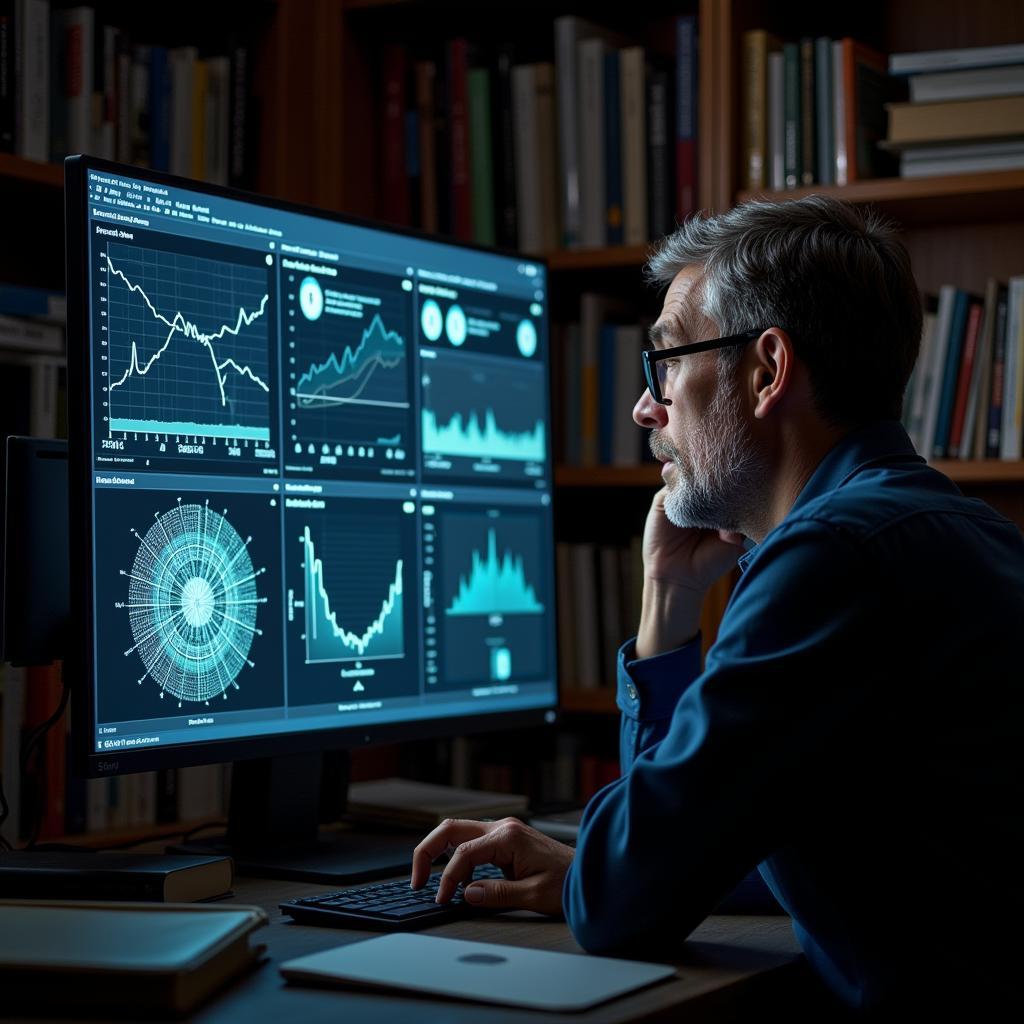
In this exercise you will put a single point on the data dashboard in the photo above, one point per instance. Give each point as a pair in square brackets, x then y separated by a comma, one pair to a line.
[320, 470]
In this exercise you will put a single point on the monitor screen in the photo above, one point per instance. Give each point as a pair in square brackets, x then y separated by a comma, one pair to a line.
[313, 488]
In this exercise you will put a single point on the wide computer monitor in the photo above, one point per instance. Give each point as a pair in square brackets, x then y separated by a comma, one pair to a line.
[310, 478]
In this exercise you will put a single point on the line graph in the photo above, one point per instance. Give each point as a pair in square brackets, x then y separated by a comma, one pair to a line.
[346, 380]
[188, 351]
[327, 640]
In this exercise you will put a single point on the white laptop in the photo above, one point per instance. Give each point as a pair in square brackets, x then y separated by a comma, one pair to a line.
[483, 971]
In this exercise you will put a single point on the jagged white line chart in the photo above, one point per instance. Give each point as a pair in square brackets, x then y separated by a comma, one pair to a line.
[192, 603]
[187, 345]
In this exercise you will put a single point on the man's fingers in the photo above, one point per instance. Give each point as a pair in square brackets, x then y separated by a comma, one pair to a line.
[450, 832]
[465, 858]
[497, 892]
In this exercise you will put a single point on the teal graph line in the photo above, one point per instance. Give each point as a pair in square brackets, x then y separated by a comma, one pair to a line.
[326, 640]
[458, 437]
[378, 347]
[178, 324]
[495, 588]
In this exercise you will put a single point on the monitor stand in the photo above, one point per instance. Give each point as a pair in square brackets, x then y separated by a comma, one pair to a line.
[274, 826]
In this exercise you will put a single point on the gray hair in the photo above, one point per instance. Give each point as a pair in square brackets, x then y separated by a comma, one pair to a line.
[834, 276]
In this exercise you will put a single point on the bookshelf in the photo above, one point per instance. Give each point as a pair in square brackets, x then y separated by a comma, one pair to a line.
[318, 85]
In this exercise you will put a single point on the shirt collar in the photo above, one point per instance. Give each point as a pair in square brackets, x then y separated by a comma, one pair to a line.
[883, 441]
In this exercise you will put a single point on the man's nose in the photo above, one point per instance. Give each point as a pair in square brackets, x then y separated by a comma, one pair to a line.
[648, 413]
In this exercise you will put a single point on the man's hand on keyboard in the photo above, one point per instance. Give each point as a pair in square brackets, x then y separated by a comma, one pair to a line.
[534, 864]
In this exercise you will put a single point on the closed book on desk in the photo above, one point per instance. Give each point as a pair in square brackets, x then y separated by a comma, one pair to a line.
[141, 959]
[27, 874]
[421, 805]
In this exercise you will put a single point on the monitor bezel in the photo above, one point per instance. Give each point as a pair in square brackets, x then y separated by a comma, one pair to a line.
[80, 660]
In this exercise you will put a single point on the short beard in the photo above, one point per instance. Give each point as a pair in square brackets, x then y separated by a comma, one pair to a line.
[722, 482]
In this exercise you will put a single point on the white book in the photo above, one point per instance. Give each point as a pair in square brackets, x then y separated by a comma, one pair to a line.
[839, 113]
[632, 82]
[30, 335]
[776, 120]
[593, 188]
[967, 85]
[963, 57]
[32, 61]
[569, 32]
[977, 397]
[936, 367]
[1013, 379]
[182, 61]
[527, 157]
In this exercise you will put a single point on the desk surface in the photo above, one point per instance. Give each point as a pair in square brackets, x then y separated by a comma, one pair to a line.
[730, 961]
[730, 968]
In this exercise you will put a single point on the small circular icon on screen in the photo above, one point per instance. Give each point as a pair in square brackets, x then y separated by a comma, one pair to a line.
[431, 320]
[526, 338]
[311, 298]
[455, 324]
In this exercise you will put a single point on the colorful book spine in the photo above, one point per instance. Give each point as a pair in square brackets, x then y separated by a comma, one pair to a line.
[686, 116]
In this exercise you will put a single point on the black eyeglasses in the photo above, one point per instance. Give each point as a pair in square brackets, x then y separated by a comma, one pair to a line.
[656, 365]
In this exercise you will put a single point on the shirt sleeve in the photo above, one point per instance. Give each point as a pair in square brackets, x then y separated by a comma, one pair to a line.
[714, 786]
[648, 690]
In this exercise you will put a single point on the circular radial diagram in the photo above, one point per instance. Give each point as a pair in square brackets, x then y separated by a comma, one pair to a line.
[192, 603]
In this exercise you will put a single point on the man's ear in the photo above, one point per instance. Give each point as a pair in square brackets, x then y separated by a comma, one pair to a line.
[773, 371]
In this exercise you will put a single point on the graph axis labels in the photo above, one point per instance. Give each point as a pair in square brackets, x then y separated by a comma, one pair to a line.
[192, 603]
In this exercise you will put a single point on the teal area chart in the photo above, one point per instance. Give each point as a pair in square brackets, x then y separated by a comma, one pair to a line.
[352, 612]
[349, 409]
[494, 598]
[483, 417]
[187, 347]
[191, 588]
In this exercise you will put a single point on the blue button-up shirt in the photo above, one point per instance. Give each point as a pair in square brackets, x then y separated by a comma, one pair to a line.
[857, 732]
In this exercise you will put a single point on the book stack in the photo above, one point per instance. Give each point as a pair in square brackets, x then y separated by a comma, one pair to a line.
[965, 398]
[503, 145]
[965, 113]
[70, 83]
[814, 111]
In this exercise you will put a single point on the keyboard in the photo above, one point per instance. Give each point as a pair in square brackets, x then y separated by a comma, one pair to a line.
[387, 906]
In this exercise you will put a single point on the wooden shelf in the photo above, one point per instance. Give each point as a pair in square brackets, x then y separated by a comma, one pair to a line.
[598, 701]
[20, 169]
[949, 199]
[984, 471]
[616, 257]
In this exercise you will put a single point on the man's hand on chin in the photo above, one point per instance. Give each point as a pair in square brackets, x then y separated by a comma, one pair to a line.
[534, 864]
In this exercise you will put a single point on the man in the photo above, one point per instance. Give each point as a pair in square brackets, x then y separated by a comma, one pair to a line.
[856, 731]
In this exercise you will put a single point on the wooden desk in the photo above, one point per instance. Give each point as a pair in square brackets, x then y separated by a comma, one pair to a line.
[730, 968]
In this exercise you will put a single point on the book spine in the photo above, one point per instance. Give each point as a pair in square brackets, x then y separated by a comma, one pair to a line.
[659, 155]
[592, 129]
[501, 116]
[823, 110]
[950, 370]
[995, 402]
[972, 445]
[458, 120]
[606, 394]
[481, 156]
[614, 233]
[394, 186]
[159, 149]
[686, 116]
[426, 75]
[808, 138]
[1013, 396]
[8, 91]
[966, 376]
[547, 145]
[841, 175]
[240, 164]
[33, 80]
[755, 80]
[197, 137]
[791, 99]
[79, 50]
[634, 146]
[936, 365]
[567, 84]
[524, 88]
[776, 120]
